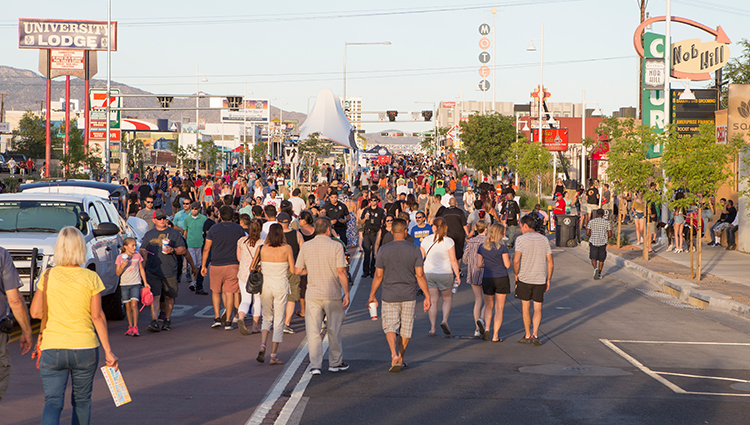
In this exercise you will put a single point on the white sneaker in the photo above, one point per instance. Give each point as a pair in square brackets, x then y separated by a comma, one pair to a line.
[477, 334]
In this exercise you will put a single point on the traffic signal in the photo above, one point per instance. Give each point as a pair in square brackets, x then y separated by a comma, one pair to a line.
[427, 115]
[392, 115]
[234, 102]
[165, 101]
[381, 116]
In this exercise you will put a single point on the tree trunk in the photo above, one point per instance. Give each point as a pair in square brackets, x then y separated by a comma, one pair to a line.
[619, 229]
[690, 247]
[700, 223]
[645, 234]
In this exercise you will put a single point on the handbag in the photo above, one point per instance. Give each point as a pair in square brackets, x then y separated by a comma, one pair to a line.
[254, 283]
[37, 354]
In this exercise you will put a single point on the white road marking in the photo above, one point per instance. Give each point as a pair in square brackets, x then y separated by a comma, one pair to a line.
[657, 375]
[679, 342]
[206, 312]
[643, 368]
[291, 368]
[687, 375]
[181, 309]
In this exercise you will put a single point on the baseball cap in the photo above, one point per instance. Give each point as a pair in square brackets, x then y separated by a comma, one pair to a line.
[558, 194]
[160, 213]
[196, 206]
[283, 217]
[247, 199]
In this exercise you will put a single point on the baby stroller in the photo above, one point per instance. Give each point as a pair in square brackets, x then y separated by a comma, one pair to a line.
[539, 225]
[348, 258]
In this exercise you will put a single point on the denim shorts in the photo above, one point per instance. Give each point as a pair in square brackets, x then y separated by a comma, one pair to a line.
[130, 293]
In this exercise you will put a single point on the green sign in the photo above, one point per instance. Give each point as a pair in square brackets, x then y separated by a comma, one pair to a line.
[653, 100]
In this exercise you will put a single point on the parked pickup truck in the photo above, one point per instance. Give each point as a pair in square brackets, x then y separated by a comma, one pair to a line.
[30, 222]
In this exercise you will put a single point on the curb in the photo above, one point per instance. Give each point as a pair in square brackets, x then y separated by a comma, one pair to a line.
[683, 290]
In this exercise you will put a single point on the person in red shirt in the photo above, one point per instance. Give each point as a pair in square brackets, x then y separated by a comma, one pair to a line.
[30, 165]
[559, 207]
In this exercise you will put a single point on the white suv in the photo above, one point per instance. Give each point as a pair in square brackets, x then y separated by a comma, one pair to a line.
[30, 222]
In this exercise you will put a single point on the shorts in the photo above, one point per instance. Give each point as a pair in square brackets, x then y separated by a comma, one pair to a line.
[679, 219]
[224, 279]
[639, 215]
[294, 290]
[441, 281]
[208, 198]
[598, 253]
[591, 208]
[162, 285]
[651, 227]
[302, 286]
[530, 292]
[130, 293]
[496, 285]
[4, 364]
[399, 317]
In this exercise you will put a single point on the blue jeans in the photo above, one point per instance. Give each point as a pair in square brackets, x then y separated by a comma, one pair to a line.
[54, 367]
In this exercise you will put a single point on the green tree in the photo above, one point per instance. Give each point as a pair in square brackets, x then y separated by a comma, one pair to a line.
[259, 152]
[184, 154]
[209, 154]
[531, 161]
[31, 137]
[77, 157]
[136, 152]
[697, 165]
[430, 143]
[486, 140]
[736, 71]
[310, 150]
[628, 165]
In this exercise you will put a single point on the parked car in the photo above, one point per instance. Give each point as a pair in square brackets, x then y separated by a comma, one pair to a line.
[3, 165]
[30, 222]
[116, 193]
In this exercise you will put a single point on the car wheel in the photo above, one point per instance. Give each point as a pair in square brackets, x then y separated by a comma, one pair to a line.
[112, 305]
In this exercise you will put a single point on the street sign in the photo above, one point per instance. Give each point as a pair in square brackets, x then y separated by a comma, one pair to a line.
[484, 71]
[653, 78]
[484, 57]
[291, 155]
[449, 104]
[484, 85]
[96, 134]
[484, 43]
[484, 29]
[4, 127]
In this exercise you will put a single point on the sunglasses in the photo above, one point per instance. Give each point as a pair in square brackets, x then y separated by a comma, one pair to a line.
[162, 218]
[389, 221]
[149, 202]
[186, 203]
[419, 217]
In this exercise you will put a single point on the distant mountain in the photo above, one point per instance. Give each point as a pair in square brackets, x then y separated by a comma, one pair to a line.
[25, 90]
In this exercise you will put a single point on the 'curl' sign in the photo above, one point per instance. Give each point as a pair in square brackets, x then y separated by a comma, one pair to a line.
[64, 34]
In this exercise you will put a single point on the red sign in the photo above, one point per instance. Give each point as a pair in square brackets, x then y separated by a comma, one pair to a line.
[721, 134]
[449, 104]
[554, 139]
[484, 71]
[96, 134]
[600, 153]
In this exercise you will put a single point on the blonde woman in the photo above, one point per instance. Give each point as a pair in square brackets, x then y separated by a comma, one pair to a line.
[474, 274]
[493, 256]
[69, 295]
[441, 271]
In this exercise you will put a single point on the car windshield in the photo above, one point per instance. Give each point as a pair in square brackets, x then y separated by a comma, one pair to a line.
[39, 216]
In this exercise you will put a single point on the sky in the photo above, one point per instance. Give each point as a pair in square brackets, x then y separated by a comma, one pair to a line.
[289, 50]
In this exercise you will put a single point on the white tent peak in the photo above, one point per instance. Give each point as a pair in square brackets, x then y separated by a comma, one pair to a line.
[328, 118]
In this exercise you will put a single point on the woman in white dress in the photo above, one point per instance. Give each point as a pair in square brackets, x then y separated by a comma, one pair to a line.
[247, 246]
[276, 261]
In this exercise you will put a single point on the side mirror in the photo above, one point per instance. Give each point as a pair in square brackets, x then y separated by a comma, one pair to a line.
[106, 229]
[84, 217]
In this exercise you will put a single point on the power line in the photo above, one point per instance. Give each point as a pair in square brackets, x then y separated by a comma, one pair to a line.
[306, 16]
[418, 72]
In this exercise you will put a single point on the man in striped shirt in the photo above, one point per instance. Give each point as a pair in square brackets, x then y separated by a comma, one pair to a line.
[599, 231]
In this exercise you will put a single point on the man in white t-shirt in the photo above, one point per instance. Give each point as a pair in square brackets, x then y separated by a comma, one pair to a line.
[270, 212]
[445, 200]
[298, 204]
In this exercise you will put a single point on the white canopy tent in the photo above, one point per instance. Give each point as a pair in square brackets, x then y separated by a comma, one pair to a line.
[329, 120]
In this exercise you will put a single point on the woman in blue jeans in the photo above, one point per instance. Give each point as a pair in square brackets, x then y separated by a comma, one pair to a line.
[69, 296]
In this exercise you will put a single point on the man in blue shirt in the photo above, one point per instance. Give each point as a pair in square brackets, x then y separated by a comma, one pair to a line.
[421, 230]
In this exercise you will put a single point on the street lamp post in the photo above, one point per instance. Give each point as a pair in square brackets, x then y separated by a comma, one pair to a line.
[197, 107]
[597, 112]
[531, 48]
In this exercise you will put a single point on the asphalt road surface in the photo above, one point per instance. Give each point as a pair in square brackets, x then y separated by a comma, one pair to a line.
[613, 352]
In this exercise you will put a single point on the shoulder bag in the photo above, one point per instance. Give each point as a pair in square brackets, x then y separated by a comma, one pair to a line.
[254, 283]
[37, 354]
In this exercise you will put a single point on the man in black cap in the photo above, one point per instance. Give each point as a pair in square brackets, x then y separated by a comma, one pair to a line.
[339, 215]
[371, 220]
[161, 246]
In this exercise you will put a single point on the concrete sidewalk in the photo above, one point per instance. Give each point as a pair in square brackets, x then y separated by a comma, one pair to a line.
[725, 275]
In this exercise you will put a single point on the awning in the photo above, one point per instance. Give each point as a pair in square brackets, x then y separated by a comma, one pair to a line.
[130, 124]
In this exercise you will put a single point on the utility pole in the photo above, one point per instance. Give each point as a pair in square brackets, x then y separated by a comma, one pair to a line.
[642, 6]
[41, 106]
[2, 106]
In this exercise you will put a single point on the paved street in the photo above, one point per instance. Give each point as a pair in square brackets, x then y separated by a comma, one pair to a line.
[614, 351]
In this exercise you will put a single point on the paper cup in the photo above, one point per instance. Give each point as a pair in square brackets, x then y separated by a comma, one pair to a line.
[373, 311]
[124, 257]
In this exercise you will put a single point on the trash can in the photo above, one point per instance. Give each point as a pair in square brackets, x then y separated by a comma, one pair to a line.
[566, 231]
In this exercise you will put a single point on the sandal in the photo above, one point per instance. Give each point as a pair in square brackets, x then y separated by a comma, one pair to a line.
[261, 354]
[298, 313]
[274, 361]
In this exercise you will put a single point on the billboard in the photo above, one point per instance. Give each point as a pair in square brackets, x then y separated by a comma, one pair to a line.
[253, 110]
[65, 34]
[653, 100]
[688, 115]
[554, 139]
